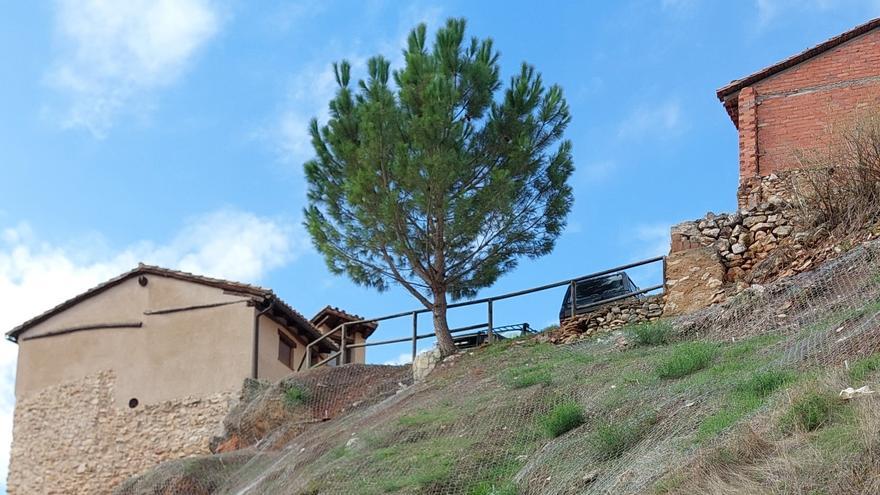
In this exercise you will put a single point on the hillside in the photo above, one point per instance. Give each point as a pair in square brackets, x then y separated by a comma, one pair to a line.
[742, 397]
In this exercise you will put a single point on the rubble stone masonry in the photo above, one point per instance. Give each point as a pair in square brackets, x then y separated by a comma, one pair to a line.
[73, 439]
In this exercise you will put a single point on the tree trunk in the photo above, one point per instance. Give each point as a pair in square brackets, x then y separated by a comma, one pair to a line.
[441, 326]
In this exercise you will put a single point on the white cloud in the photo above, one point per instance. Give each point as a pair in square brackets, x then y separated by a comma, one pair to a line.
[769, 11]
[309, 92]
[403, 358]
[596, 172]
[114, 54]
[652, 239]
[658, 121]
[679, 6]
[36, 275]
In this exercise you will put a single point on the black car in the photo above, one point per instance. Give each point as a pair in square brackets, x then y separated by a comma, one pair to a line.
[595, 290]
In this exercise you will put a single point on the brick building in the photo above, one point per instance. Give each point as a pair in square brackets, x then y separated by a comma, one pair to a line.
[796, 103]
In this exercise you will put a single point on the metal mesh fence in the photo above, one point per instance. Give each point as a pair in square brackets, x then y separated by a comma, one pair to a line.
[605, 415]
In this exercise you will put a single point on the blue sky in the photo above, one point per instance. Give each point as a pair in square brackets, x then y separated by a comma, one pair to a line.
[173, 132]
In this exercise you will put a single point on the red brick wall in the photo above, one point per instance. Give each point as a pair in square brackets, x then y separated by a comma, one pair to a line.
[798, 108]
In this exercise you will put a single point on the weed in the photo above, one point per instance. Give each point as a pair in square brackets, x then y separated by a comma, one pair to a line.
[337, 452]
[612, 439]
[763, 383]
[747, 396]
[562, 418]
[686, 359]
[526, 376]
[295, 395]
[497, 480]
[652, 333]
[864, 367]
[810, 412]
[427, 417]
[430, 462]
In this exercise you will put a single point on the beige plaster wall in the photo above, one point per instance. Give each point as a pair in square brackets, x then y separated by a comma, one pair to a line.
[270, 368]
[172, 355]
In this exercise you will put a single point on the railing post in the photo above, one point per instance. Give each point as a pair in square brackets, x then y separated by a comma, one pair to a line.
[342, 343]
[489, 336]
[415, 333]
[573, 291]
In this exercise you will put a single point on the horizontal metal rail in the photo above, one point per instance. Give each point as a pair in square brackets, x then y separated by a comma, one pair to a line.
[418, 337]
[486, 300]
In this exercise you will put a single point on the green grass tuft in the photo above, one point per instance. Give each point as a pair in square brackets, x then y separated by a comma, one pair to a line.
[652, 333]
[427, 417]
[526, 376]
[612, 439]
[763, 383]
[687, 358]
[562, 418]
[810, 412]
[295, 395]
[747, 396]
[862, 368]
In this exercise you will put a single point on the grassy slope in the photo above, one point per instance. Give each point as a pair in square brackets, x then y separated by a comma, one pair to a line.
[528, 417]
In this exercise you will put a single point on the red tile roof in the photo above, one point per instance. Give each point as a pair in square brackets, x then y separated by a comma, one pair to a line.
[727, 94]
[368, 327]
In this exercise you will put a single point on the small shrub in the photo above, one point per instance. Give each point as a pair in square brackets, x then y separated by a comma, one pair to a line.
[763, 383]
[652, 333]
[810, 412]
[562, 418]
[295, 395]
[864, 367]
[612, 439]
[686, 359]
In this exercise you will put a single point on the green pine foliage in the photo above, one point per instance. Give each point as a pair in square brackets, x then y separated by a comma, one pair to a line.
[435, 176]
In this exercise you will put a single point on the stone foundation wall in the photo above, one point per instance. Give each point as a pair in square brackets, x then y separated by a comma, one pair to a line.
[694, 279]
[741, 239]
[775, 188]
[607, 318]
[72, 439]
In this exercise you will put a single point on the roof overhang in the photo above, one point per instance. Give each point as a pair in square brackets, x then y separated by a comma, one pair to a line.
[729, 94]
[333, 317]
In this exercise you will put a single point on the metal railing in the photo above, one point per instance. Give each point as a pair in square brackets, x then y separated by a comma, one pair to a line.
[488, 326]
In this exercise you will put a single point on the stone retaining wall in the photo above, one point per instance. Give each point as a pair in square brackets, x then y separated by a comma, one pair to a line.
[72, 439]
[774, 188]
[607, 318]
[741, 239]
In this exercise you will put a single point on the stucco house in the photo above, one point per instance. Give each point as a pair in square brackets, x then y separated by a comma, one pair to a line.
[796, 104]
[125, 352]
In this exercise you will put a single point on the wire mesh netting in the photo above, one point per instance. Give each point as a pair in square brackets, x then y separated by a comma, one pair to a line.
[606, 415]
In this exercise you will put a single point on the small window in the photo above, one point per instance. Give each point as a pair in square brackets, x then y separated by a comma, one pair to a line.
[285, 349]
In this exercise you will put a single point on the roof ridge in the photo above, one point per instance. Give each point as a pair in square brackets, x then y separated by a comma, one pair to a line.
[797, 58]
[727, 93]
[249, 289]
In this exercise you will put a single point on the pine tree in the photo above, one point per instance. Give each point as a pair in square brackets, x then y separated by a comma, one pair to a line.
[431, 182]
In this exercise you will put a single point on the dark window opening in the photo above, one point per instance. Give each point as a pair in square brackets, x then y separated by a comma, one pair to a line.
[285, 349]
